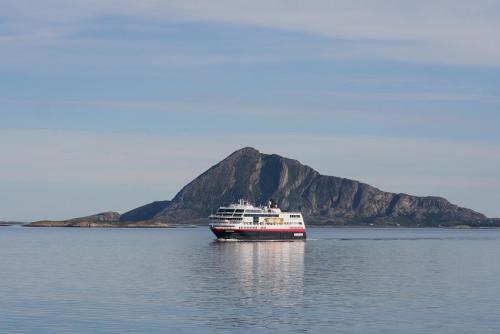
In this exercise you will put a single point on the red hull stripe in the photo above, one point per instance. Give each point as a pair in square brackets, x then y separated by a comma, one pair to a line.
[258, 229]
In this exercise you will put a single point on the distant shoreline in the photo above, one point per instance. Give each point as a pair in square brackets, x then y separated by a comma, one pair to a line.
[164, 225]
[97, 225]
[6, 223]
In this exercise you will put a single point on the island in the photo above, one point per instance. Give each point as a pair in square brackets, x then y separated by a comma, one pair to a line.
[323, 200]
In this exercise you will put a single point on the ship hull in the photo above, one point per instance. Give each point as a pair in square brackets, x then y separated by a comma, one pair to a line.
[256, 235]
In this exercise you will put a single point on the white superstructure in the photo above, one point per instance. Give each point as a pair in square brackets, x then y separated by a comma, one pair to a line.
[243, 214]
[245, 221]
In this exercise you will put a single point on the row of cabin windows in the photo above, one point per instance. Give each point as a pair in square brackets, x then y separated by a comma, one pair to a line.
[253, 215]
[258, 222]
[264, 223]
[261, 215]
[248, 215]
[231, 210]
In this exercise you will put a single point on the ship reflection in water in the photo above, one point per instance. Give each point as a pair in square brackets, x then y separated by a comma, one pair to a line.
[259, 274]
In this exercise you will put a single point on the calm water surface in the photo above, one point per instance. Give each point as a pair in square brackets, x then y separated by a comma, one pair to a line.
[57, 280]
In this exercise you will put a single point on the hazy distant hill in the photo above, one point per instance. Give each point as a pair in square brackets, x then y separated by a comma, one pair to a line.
[10, 223]
[104, 219]
[257, 177]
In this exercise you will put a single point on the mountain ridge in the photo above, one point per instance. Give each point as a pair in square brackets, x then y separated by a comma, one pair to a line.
[323, 199]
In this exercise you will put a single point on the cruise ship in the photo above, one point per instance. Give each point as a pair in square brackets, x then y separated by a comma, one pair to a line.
[243, 221]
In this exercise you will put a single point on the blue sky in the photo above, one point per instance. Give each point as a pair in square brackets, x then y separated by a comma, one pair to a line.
[107, 105]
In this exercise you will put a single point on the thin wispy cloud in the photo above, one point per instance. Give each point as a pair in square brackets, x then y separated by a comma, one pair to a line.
[445, 31]
[431, 118]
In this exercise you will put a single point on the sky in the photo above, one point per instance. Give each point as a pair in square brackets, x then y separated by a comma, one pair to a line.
[109, 105]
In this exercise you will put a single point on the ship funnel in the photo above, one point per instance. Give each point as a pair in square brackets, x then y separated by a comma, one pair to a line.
[273, 204]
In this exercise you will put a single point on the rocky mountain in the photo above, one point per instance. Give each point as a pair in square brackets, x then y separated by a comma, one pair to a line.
[322, 199]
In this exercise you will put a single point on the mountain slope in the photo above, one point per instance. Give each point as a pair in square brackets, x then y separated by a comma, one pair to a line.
[257, 177]
[145, 212]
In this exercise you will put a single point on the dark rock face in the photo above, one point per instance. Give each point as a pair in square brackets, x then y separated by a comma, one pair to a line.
[257, 177]
[145, 212]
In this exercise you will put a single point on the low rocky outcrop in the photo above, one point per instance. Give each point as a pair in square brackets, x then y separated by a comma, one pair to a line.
[105, 219]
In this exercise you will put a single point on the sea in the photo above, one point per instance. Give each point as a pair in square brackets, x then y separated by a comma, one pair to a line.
[180, 280]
